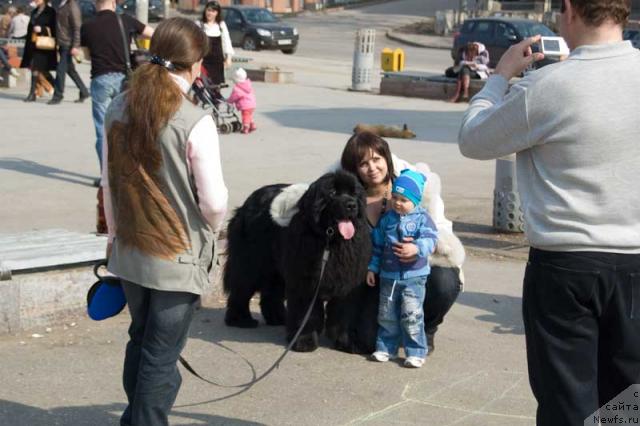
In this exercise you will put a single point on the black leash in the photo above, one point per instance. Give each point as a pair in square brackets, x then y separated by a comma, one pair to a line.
[325, 258]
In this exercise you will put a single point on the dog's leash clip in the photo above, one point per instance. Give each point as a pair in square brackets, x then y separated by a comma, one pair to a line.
[330, 232]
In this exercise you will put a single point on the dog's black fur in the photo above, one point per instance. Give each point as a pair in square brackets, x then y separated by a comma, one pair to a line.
[284, 262]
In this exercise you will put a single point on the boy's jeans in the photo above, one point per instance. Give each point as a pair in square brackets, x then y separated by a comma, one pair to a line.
[400, 315]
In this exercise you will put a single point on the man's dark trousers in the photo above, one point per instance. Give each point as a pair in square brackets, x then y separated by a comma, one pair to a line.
[158, 332]
[582, 323]
[66, 66]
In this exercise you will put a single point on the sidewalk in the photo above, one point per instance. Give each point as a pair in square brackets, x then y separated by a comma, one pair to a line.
[419, 40]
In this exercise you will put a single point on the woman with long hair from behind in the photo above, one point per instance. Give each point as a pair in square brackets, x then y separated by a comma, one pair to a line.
[164, 199]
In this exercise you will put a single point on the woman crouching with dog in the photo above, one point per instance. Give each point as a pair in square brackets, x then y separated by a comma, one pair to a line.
[368, 157]
[164, 198]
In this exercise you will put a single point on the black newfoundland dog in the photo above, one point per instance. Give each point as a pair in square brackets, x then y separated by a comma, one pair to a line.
[283, 262]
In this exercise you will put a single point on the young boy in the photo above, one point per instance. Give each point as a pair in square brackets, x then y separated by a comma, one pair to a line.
[402, 285]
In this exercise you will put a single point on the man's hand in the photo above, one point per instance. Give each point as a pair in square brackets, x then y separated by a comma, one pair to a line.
[406, 251]
[74, 51]
[518, 57]
[37, 29]
[371, 279]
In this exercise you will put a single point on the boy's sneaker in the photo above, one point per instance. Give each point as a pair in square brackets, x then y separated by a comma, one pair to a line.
[380, 356]
[413, 362]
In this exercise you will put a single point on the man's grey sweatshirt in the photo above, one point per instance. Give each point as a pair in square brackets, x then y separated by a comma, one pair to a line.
[575, 127]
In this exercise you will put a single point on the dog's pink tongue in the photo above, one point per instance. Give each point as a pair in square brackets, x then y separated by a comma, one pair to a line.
[346, 229]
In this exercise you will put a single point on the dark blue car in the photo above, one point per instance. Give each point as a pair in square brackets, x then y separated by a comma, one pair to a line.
[498, 34]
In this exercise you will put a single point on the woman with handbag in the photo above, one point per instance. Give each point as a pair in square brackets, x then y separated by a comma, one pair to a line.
[164, 196]
[40, 48]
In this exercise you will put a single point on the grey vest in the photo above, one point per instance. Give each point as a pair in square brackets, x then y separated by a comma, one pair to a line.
[186, 270]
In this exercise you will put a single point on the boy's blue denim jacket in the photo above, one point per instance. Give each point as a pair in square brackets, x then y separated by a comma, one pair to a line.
[392, 228]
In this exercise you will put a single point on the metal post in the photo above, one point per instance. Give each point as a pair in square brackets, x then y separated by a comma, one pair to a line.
[142, 11]
[363, 60]
[507, 211]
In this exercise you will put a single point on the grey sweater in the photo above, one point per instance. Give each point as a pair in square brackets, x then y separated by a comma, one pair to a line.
[575, 127]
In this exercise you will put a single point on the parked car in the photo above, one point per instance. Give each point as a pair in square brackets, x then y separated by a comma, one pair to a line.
[498, 34]
[255, 28]
[633, 36]
[87, 8]
[156, 9]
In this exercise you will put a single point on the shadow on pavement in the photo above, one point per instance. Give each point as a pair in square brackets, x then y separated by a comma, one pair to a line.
[33, 168]
[13, 413]
[434, 126]
[485, 237]
[505, 311]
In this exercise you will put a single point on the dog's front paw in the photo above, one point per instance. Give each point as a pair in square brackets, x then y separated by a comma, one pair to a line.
[306, 342]
[240, 321]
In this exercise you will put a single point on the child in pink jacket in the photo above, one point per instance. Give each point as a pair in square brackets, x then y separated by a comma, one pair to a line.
[244, 99]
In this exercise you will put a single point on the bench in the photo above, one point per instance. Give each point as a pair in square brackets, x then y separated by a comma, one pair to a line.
[423, 85]
[45, 275]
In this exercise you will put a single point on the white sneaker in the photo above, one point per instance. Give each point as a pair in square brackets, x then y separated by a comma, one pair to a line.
[413, 362]
[14, 72]
[380, 356]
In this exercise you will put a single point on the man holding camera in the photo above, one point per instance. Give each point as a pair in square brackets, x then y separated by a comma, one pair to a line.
[68, 22]
[574, 126]
[103, 37]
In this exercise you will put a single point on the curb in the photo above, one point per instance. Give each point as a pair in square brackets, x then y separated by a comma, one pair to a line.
[392, 35]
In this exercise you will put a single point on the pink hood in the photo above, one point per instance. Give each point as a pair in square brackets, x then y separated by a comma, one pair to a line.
[242, 95]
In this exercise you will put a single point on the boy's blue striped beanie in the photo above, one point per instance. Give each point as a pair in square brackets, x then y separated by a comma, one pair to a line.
[410, 184]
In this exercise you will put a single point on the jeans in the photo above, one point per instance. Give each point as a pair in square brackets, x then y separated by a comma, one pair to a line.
[401, 317]
[582, 325]
[104, 88]
[66, 66]
[4, 60]
[158, 332]
[443, 287]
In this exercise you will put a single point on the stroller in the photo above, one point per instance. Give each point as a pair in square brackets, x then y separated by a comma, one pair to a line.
[224, 114]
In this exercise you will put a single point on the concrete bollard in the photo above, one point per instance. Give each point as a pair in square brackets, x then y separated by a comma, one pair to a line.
[507, 211]
[363, 60]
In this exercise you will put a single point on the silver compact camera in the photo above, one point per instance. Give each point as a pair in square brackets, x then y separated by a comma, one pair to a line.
[553, 46]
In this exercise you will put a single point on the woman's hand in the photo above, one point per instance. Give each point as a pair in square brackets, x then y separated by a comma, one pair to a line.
[371, 279]
[37, 29]
[406, 251]
[227, 61]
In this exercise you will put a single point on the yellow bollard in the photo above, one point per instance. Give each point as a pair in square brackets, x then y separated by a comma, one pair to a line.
[398, 59]
[143, 43]
[392, 60]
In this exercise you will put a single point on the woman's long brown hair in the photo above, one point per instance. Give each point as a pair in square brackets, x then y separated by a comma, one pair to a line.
[153, 98]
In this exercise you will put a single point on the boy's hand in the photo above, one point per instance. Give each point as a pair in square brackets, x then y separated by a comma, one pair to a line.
[371, 279]
[406, 251]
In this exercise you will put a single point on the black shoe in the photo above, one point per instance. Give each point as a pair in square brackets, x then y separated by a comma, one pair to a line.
[431, 343]
[30, 98]
[55, 100]
[96, 182]
[82, 97]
